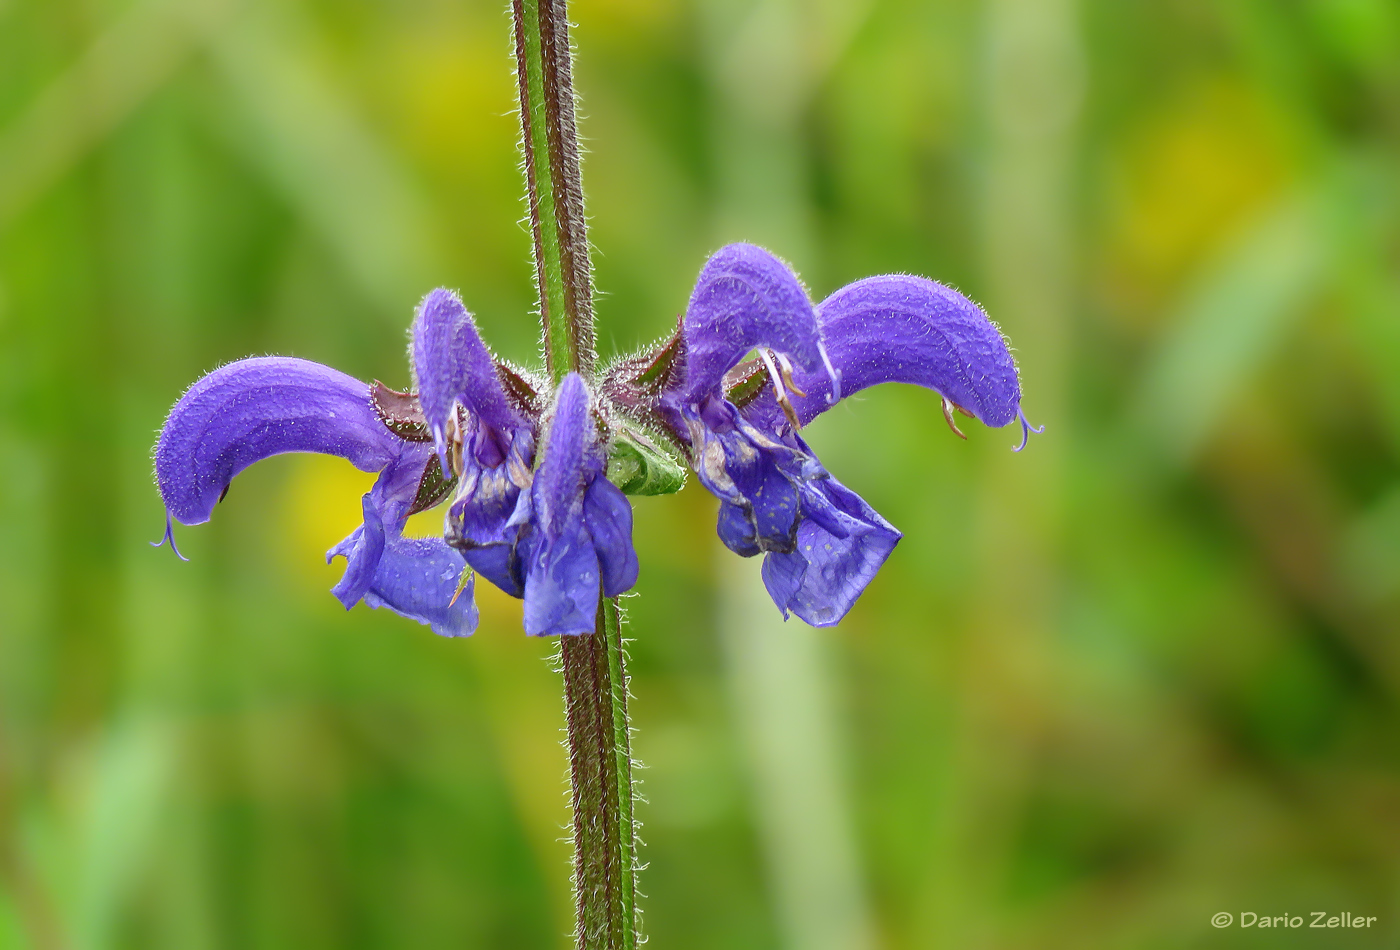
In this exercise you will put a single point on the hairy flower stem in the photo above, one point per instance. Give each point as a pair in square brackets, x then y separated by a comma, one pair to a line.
[595, 678]
[600, 764]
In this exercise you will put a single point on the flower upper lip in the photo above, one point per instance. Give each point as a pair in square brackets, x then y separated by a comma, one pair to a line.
[454, 368]
[256, 408]
[745, 298]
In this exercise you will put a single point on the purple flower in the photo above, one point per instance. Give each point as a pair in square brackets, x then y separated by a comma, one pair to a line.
[822, 543]
[537, 514]
[576, 526]
[484, 434]
[256, 408]
[556, 537]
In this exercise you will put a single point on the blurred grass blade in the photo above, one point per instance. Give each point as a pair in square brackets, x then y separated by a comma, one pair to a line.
[783, 709]
[1365, 212]
[125, 65]
[1371, 551]
[329, 165]
[1229, 324]
[129, 792]
[778, 683]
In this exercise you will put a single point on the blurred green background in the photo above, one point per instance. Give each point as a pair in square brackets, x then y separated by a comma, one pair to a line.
[1144, 672]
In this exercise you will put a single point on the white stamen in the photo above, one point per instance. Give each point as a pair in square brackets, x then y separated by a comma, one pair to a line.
[835, 396]
[948, 407]
[779, 389]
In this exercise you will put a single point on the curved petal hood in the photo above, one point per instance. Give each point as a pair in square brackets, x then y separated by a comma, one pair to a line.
[454, 368]
[822, 543]
[902, 329]
[256, 408]
[744, 298]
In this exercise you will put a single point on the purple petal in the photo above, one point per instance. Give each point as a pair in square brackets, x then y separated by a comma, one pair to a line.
[562, 586]
[396, 489]
[453, 366]
[823, 576]
[560, 563]
[905, 329]
[362, 551]
[499, 563]
[576, 540]
[418, 578]
[745, 298]
[558, 484]
[755, 476]
[252, 409]
[735, 527]
[485, 518]
[385, 507]
[484, 503]
[608, 516]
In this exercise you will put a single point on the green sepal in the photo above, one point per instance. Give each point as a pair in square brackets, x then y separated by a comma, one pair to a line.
[639, 467]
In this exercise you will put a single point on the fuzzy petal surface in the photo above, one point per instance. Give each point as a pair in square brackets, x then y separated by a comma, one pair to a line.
[417, 578]
[256, 408]
[453, 366]
[576, 539]
[906, 329]
[562, 574]
[745, 297]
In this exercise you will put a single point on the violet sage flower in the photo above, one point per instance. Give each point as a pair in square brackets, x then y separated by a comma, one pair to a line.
[555, 537]
[256, 408]
[484, 437]
[822, 544]
[576, 526]
[537, 484]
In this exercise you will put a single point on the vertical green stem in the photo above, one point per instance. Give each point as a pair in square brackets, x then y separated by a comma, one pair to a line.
[550, 141]
[595, 678]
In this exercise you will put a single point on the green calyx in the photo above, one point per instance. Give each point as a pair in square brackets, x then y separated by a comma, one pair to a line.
[639, 467]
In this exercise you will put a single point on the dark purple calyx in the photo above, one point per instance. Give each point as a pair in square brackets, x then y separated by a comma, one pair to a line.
[401, 412]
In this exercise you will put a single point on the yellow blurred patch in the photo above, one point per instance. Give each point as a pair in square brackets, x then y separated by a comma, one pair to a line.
[426, 524]
[624, 15]
[321, 505]
[499, 611]
[459, 95]
[1191, 176]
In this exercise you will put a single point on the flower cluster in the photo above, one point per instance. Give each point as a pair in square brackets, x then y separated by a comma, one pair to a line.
[531, 476]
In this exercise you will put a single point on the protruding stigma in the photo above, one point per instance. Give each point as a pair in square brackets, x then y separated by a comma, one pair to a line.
[1026, 430]
[169, 536]
[948, 407]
